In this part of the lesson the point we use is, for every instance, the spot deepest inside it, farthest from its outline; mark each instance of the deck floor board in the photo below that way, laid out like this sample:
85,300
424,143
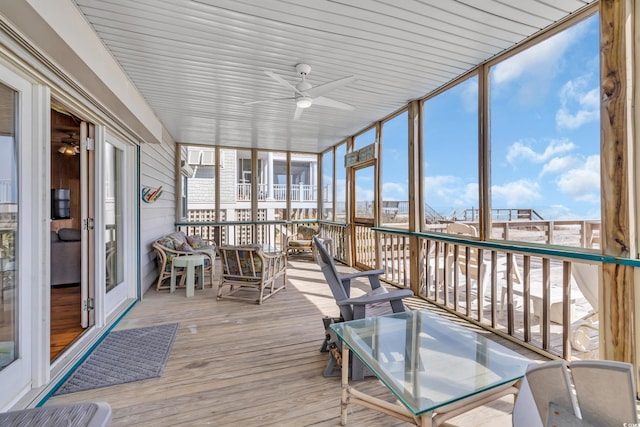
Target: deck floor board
237,363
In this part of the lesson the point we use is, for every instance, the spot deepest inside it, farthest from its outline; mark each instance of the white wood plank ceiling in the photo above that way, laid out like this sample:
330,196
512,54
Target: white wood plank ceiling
199,62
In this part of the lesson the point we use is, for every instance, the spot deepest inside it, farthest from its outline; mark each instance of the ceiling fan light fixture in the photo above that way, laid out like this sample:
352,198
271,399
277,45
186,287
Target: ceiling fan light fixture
68,150
304,102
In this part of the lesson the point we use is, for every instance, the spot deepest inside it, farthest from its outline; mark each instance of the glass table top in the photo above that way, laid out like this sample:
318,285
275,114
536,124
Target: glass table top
427,360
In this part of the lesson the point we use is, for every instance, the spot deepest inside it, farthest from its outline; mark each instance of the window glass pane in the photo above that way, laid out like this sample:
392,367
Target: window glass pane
450,155
341,184
304,186
272,185
364,139
395,163
113,216
545,140
8,228
327,185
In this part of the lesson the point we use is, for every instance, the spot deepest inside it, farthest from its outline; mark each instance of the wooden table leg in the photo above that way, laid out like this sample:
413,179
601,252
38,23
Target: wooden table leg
345,385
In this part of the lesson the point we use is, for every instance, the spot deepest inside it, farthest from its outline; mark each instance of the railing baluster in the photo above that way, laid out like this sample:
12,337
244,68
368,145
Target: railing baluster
566,309
526,292
546,291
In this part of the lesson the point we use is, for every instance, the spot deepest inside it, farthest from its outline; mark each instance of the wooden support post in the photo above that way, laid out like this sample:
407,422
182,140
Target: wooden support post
616,295
415,210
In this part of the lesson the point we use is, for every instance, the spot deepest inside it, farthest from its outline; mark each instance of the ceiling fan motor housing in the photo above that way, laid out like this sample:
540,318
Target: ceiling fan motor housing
303,69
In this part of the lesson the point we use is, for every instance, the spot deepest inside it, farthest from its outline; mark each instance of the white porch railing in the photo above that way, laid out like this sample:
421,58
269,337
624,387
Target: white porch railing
299,193
5,190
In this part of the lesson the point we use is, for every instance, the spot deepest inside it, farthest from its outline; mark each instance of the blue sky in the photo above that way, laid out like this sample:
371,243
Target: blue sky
545,134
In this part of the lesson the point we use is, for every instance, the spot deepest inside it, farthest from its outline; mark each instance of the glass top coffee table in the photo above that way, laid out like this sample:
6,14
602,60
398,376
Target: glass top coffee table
435,367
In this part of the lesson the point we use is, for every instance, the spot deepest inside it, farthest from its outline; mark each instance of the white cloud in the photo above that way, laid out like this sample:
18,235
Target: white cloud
539,59
470,95
558,164
363,195
515,194
447,192
521,150
526,77
394,191
575,96
341,190
583,182
469,196
440,180
555,212
441,187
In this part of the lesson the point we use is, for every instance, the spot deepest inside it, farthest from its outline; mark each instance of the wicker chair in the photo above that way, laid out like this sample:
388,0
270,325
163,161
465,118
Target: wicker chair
301,241
250,274
179,244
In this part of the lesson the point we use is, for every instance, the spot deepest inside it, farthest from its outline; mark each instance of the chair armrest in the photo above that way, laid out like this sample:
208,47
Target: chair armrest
274,263
374,281
271,255
160,248
378,297
361,274
177,252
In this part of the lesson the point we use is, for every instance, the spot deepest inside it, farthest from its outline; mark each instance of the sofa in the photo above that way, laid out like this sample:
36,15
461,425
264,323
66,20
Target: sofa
66,259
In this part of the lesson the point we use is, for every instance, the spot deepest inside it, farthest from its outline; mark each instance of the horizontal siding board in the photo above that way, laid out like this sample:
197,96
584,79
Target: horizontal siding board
156,219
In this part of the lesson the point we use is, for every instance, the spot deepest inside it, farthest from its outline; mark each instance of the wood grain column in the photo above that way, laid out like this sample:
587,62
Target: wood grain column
415,188
616,150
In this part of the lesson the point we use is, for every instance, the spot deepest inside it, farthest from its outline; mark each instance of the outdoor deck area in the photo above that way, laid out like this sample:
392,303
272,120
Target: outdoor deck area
236,363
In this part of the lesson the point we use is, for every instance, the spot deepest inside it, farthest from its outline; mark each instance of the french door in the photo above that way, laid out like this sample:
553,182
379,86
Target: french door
118,221
17,257
87,208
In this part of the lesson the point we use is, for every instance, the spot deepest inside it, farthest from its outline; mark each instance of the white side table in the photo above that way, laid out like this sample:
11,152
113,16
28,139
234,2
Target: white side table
190,262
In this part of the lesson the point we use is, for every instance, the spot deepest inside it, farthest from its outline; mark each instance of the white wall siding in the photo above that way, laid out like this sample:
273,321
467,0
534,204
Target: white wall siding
156,219
202,191
228,177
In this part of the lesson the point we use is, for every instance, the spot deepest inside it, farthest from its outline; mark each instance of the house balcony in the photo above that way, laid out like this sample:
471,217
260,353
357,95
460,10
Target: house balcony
278,193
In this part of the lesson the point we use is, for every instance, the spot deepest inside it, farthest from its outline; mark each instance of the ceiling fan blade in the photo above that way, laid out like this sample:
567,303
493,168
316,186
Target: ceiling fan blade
298,113
327,87
328,102
282,81
268,100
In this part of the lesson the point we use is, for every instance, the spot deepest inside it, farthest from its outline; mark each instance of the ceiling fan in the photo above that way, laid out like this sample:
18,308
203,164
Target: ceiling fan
306,95
70,145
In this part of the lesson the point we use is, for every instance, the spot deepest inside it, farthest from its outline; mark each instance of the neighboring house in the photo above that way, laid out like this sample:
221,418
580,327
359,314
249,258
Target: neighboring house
199,172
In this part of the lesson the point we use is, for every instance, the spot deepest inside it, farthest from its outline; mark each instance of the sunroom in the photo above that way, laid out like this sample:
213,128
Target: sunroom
482,155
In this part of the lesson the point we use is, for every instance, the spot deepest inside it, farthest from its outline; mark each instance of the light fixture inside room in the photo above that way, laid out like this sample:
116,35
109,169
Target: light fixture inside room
69,150
304,102
70,145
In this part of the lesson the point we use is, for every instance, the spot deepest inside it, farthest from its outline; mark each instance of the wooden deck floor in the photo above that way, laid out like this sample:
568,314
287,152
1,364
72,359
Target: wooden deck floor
238,364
